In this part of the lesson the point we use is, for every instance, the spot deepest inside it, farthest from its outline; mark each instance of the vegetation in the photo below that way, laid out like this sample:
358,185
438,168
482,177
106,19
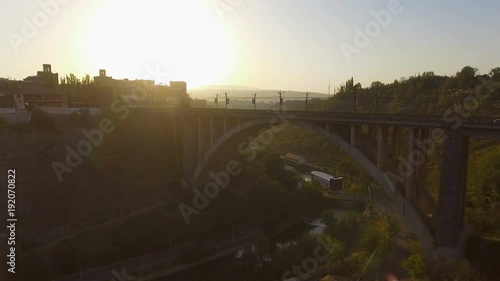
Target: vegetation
415,263
483,211
42,120
425,93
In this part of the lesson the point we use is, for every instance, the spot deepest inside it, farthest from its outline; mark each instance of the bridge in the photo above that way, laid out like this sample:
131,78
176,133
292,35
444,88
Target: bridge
392,148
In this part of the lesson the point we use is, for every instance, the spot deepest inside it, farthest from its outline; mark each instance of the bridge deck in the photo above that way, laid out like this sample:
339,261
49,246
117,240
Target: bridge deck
471,126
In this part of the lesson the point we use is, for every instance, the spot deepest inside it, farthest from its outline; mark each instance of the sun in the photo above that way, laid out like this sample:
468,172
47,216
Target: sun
183,39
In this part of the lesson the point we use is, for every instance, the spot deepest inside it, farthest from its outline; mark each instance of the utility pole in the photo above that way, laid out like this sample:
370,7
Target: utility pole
254,101
307,98
170,247
376,100
227,100
329,86
281,99
80,268
217,100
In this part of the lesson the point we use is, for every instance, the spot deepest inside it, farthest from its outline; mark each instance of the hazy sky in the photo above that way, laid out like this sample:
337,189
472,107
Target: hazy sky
269,44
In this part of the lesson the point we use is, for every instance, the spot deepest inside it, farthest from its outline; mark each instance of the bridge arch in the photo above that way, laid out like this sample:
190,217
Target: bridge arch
399,202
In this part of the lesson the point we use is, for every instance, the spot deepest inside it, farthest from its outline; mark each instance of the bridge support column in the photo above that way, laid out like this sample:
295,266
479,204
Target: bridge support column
225,125
396,142
382,135
189,149
216,129
422,169
410,179
451,202
355,134
204,137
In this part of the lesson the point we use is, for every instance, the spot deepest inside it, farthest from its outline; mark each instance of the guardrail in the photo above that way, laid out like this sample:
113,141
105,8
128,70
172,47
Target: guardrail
436,120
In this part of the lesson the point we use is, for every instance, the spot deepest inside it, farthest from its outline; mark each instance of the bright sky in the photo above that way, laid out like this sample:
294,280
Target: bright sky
268,44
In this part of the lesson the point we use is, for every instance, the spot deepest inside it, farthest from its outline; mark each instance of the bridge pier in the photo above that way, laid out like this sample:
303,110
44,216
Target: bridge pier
204,137
382,138
355,135
451,203
216,129
190,148
396,143
411,185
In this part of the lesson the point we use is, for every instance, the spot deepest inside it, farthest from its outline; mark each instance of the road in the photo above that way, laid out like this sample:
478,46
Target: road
125,270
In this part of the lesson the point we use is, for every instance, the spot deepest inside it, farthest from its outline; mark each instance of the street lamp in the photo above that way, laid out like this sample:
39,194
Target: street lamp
80,268
170,247
281,99
307,98
227,100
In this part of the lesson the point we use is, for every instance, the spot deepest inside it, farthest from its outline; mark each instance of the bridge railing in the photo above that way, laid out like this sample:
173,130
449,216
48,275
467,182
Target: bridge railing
365,117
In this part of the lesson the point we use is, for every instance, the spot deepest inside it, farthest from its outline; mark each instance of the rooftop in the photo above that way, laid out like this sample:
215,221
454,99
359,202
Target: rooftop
325,176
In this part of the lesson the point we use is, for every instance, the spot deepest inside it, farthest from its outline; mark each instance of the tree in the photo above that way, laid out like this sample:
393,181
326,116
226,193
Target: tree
467,77
415,264
495,74
376,85
86,80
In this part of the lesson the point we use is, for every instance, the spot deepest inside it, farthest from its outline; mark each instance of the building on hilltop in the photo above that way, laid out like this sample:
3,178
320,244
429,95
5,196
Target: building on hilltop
45,77
178,88
102,78
48,100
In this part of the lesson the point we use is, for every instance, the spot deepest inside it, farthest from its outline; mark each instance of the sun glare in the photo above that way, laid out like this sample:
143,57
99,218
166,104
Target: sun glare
184,40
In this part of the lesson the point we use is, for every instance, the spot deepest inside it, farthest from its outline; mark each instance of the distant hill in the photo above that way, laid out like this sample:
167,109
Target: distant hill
238,92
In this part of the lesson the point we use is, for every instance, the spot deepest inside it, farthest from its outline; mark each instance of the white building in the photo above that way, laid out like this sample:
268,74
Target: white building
335,184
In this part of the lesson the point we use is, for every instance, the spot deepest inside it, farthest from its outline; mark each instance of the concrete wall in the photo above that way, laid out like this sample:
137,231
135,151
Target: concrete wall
68,110
7,110
16,117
